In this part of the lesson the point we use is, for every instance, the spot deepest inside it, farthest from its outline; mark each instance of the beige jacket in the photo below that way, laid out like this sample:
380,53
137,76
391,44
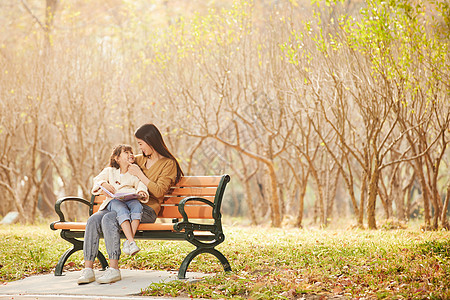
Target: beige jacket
123,183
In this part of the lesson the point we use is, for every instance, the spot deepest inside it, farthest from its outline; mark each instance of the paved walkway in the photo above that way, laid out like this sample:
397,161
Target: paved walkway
49,286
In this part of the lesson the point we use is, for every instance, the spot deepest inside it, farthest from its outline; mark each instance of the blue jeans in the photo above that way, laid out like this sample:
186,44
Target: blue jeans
104,223
126,210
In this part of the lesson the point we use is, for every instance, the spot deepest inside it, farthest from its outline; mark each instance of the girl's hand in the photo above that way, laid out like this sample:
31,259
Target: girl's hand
109,187
143,195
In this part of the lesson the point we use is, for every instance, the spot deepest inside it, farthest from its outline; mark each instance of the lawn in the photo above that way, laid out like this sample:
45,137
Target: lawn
268,263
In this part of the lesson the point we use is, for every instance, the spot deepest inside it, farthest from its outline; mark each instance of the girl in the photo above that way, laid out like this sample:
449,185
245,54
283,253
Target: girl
114,179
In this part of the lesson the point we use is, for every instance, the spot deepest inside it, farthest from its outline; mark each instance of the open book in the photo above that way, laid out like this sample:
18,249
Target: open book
122,196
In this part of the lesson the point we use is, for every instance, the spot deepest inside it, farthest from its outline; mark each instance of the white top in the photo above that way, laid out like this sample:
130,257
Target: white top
123,183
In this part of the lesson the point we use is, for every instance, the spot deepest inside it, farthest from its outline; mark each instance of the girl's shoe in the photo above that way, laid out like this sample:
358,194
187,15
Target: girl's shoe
126,247
134,248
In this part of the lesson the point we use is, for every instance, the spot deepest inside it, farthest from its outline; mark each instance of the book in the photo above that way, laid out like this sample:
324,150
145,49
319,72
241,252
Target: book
122,196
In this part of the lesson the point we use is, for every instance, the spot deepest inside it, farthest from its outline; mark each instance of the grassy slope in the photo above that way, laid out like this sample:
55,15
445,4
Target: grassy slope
268,263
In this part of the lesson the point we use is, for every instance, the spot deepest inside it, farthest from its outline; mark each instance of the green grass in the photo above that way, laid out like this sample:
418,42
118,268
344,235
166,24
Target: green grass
268,263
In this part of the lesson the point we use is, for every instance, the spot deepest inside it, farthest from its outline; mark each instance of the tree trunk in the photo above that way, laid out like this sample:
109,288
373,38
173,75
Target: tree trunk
248,200
399,198
262,201
371,202
275,203
362,199
280,189
408,191
46,204
50,10
435,197
425,191
71,208
384,197
331,197
319,200
17,202
444,220
301,203
351,193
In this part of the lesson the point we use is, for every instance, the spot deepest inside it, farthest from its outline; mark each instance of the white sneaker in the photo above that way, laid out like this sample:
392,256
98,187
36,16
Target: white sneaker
126,247
134,248
111,275
87,276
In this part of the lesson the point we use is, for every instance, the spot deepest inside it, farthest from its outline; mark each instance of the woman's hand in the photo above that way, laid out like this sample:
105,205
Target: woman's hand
109,187
134,169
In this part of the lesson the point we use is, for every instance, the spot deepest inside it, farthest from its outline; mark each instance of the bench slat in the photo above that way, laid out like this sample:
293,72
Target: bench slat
145,226
192,191
171,211
199,181
99,199
167,201
81,226
193,212
176,200
70,225
207,193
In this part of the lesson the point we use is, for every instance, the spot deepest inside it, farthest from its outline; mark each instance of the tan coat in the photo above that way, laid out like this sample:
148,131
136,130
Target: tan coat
162,175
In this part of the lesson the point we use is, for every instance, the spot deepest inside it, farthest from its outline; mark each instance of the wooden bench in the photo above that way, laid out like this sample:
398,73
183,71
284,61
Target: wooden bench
194,198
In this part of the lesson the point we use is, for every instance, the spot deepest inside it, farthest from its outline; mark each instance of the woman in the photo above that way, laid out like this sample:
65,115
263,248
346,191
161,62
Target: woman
158,169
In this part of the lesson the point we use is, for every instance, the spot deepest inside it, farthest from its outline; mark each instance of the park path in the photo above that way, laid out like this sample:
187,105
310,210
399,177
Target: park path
49,286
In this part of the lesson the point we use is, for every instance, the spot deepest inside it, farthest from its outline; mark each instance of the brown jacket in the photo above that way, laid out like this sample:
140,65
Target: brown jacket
162,175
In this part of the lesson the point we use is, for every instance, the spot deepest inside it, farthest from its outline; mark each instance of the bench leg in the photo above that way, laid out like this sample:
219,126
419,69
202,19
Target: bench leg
187,260
77,245
102,260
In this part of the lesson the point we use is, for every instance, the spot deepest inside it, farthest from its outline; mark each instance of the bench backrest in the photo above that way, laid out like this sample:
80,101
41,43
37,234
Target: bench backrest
206,187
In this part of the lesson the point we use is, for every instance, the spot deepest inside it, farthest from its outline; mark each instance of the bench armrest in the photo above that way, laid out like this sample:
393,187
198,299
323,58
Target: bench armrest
190,227
186,200
62,200
185,224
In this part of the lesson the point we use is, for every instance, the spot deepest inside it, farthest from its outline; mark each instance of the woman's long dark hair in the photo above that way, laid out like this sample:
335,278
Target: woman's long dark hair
150,134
